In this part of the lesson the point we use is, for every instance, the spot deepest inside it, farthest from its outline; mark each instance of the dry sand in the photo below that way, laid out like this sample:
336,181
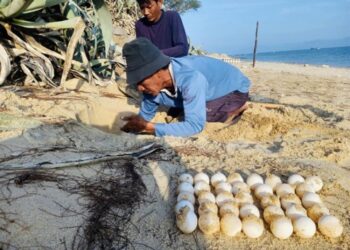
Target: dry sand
298,122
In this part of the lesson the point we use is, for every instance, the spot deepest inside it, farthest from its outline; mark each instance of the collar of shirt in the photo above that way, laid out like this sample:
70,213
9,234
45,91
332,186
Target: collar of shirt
174,83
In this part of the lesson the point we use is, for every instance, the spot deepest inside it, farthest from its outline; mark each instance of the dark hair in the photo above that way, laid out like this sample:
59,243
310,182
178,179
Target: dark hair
142,2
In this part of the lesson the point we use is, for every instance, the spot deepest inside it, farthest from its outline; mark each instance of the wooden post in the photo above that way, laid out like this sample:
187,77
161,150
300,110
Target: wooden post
256,42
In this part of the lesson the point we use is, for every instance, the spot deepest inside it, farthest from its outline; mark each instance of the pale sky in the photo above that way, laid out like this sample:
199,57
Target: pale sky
228,26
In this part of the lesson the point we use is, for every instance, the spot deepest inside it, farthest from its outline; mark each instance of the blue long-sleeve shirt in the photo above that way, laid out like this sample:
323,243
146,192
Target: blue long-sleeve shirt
168,33
198,79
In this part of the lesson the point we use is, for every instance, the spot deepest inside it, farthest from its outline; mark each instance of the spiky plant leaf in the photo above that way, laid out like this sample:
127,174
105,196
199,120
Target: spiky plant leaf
105,21
66,24
13,8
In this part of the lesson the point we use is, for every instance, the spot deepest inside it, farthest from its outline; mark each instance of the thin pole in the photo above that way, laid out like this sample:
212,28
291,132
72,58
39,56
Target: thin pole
256,42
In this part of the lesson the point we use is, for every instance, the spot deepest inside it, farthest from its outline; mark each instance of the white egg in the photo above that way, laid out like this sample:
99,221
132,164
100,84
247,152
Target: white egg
289,199
186,221
262,190
182,204
316,182
201,186
304,227
253,180
295,211
209,223
284,189
231,225
248,209
217,178
281,227
271,212
201,177
272,180
224,197
186,196
317,211
223,187
270,200
309,199
207,207
185,187
295,179
304,187
186,178
240,186
206,196
229,208
234,177
330,226
243,198
252,226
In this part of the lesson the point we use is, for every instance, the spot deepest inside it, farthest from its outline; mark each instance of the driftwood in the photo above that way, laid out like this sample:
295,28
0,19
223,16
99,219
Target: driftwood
139,153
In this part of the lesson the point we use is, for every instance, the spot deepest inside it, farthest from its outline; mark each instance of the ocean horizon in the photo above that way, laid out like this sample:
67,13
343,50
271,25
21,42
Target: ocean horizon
335,57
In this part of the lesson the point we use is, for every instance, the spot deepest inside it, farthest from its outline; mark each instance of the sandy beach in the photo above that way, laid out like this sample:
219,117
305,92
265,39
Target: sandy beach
298,121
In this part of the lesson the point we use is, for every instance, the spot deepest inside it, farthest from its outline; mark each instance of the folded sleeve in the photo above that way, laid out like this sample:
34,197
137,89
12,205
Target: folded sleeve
148,108
194,100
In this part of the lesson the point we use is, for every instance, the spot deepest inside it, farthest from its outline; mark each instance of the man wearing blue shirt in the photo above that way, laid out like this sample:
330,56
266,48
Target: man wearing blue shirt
207,89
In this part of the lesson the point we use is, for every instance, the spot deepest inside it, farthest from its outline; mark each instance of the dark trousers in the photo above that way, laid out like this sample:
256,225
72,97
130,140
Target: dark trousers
218,110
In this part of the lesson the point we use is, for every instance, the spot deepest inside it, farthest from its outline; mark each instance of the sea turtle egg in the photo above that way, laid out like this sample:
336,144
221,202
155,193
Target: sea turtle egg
295,179
234,177
186,196
252,226
262,190
304,187
209,223
217,178
316,182
185,187
230,225
317,211
284,189
201,177
272,211
253,180
201,186
206,196
281,227
240,186
248,209
304,227
330,226
310,199
224,197
272,180
186,178
181,204
223,187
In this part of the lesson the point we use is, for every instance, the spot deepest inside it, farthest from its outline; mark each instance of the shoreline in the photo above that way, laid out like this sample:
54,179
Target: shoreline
290,63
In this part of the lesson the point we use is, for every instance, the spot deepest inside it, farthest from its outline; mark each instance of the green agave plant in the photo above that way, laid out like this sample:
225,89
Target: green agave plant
52,36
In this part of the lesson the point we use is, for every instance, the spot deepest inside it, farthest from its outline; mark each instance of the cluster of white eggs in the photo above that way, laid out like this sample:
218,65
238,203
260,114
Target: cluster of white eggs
227,204
296,207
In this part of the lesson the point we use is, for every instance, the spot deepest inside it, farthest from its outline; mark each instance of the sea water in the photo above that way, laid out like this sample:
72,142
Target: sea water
336,57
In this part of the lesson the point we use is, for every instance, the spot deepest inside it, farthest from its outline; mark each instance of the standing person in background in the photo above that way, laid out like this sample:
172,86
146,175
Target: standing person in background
163,28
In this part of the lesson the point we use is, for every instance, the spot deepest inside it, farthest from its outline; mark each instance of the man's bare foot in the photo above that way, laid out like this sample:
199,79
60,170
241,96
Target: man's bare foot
236,113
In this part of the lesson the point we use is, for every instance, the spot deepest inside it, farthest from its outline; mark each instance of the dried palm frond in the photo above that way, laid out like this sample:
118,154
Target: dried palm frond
5,64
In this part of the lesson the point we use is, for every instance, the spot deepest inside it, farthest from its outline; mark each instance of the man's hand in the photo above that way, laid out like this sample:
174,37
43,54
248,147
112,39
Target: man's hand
136,124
